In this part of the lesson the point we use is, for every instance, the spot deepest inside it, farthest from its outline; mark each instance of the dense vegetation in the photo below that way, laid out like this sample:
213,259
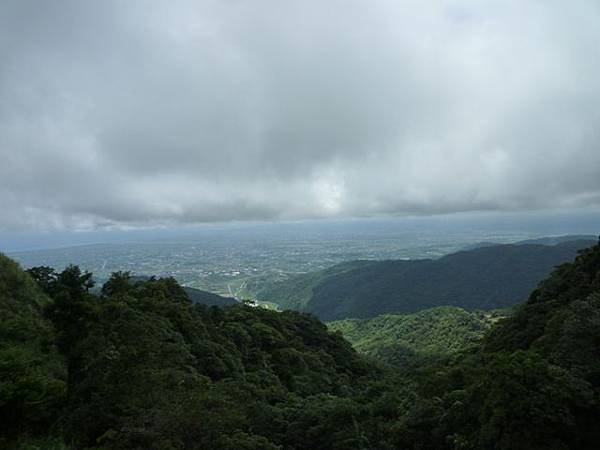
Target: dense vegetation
482,278
418,338
195,295
535,382
140,367
32,372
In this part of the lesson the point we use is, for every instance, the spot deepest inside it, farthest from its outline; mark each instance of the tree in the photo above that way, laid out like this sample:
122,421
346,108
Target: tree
118,283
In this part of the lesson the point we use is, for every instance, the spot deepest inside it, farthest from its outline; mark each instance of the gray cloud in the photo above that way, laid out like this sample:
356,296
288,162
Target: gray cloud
143,113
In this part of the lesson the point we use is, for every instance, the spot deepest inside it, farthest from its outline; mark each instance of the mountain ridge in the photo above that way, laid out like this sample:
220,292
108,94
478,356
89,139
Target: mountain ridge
482,278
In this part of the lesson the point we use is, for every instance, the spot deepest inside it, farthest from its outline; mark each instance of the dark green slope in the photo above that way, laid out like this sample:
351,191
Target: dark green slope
32,372
483,278
208,298
296,292
139,366
534,383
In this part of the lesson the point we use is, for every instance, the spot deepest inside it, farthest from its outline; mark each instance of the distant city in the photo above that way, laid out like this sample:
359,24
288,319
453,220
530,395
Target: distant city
236,261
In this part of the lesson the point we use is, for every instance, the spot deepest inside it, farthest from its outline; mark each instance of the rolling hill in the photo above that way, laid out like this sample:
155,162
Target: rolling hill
410,339
482,278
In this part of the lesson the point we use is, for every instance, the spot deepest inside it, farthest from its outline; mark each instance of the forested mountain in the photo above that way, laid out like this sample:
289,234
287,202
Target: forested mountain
296,292
418,338
33,373
547,240
195,295
483,278
139,366
535,382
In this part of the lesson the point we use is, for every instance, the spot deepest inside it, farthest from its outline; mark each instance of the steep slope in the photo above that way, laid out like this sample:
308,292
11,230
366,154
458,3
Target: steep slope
32,373
572,289
483,278
412,339
534,383
149,369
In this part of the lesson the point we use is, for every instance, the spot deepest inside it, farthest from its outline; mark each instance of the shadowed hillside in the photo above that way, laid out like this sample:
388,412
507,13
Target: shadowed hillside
483,278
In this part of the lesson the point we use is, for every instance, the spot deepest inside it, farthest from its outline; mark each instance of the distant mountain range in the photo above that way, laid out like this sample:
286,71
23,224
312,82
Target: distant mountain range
488,277
547,240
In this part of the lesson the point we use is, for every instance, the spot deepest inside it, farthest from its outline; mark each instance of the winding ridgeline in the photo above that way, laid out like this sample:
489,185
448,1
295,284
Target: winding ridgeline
139,366
487,277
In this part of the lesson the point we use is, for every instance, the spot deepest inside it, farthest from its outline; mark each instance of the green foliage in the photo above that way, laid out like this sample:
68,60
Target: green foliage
119,283
415,339
32,373
534,383
485,278
145,368
148,368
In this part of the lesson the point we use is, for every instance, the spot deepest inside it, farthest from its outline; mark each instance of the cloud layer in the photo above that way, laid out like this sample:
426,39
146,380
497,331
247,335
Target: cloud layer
143,113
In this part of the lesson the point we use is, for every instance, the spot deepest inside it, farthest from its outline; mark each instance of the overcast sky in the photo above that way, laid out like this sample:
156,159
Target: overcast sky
137,113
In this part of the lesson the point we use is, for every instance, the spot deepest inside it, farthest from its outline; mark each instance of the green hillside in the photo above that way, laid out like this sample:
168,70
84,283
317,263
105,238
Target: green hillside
534,383
416,338
483,278
296,292
138,365
33,374
195,295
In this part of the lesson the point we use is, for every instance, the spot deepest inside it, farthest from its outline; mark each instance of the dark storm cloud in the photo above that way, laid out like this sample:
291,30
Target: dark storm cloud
142,113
